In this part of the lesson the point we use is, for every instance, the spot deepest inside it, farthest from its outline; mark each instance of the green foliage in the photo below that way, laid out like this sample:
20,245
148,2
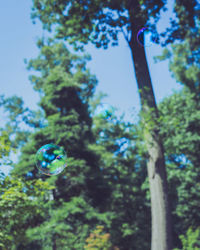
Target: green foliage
5,144
180,123
191,241
185,63
20,121
180,118
5,148
64,225
20,203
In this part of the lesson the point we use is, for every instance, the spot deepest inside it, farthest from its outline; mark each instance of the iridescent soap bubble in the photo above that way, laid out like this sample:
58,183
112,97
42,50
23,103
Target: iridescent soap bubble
51,159
146,37
105,111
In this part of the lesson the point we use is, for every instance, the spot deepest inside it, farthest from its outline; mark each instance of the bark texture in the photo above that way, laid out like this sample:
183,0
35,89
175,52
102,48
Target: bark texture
160,210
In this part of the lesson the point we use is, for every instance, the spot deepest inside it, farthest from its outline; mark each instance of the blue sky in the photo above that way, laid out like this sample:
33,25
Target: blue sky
113,67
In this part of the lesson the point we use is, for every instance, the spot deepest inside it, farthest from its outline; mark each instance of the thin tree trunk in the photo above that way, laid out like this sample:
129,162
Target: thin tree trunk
160,211
54,247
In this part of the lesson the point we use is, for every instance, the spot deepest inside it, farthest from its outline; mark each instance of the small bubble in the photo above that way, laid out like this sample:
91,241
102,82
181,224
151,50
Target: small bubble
51,159
105,111
146,37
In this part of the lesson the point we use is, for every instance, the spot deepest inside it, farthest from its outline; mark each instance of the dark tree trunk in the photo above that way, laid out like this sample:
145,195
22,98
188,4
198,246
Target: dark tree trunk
160,211
54,247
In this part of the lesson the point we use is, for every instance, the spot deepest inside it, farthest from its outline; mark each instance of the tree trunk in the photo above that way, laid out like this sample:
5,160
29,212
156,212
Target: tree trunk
54,247
160,211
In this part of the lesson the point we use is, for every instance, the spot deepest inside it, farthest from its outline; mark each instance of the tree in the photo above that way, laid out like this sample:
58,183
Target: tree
180,123
99,22
78,201
18,195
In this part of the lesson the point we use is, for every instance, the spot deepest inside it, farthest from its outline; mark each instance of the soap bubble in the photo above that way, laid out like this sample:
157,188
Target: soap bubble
51,159
146,37
105,111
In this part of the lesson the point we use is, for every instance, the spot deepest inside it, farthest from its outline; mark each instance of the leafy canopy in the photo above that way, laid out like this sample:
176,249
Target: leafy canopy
98,21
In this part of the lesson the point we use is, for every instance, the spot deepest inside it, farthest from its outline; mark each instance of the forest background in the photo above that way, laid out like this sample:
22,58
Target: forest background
102,199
